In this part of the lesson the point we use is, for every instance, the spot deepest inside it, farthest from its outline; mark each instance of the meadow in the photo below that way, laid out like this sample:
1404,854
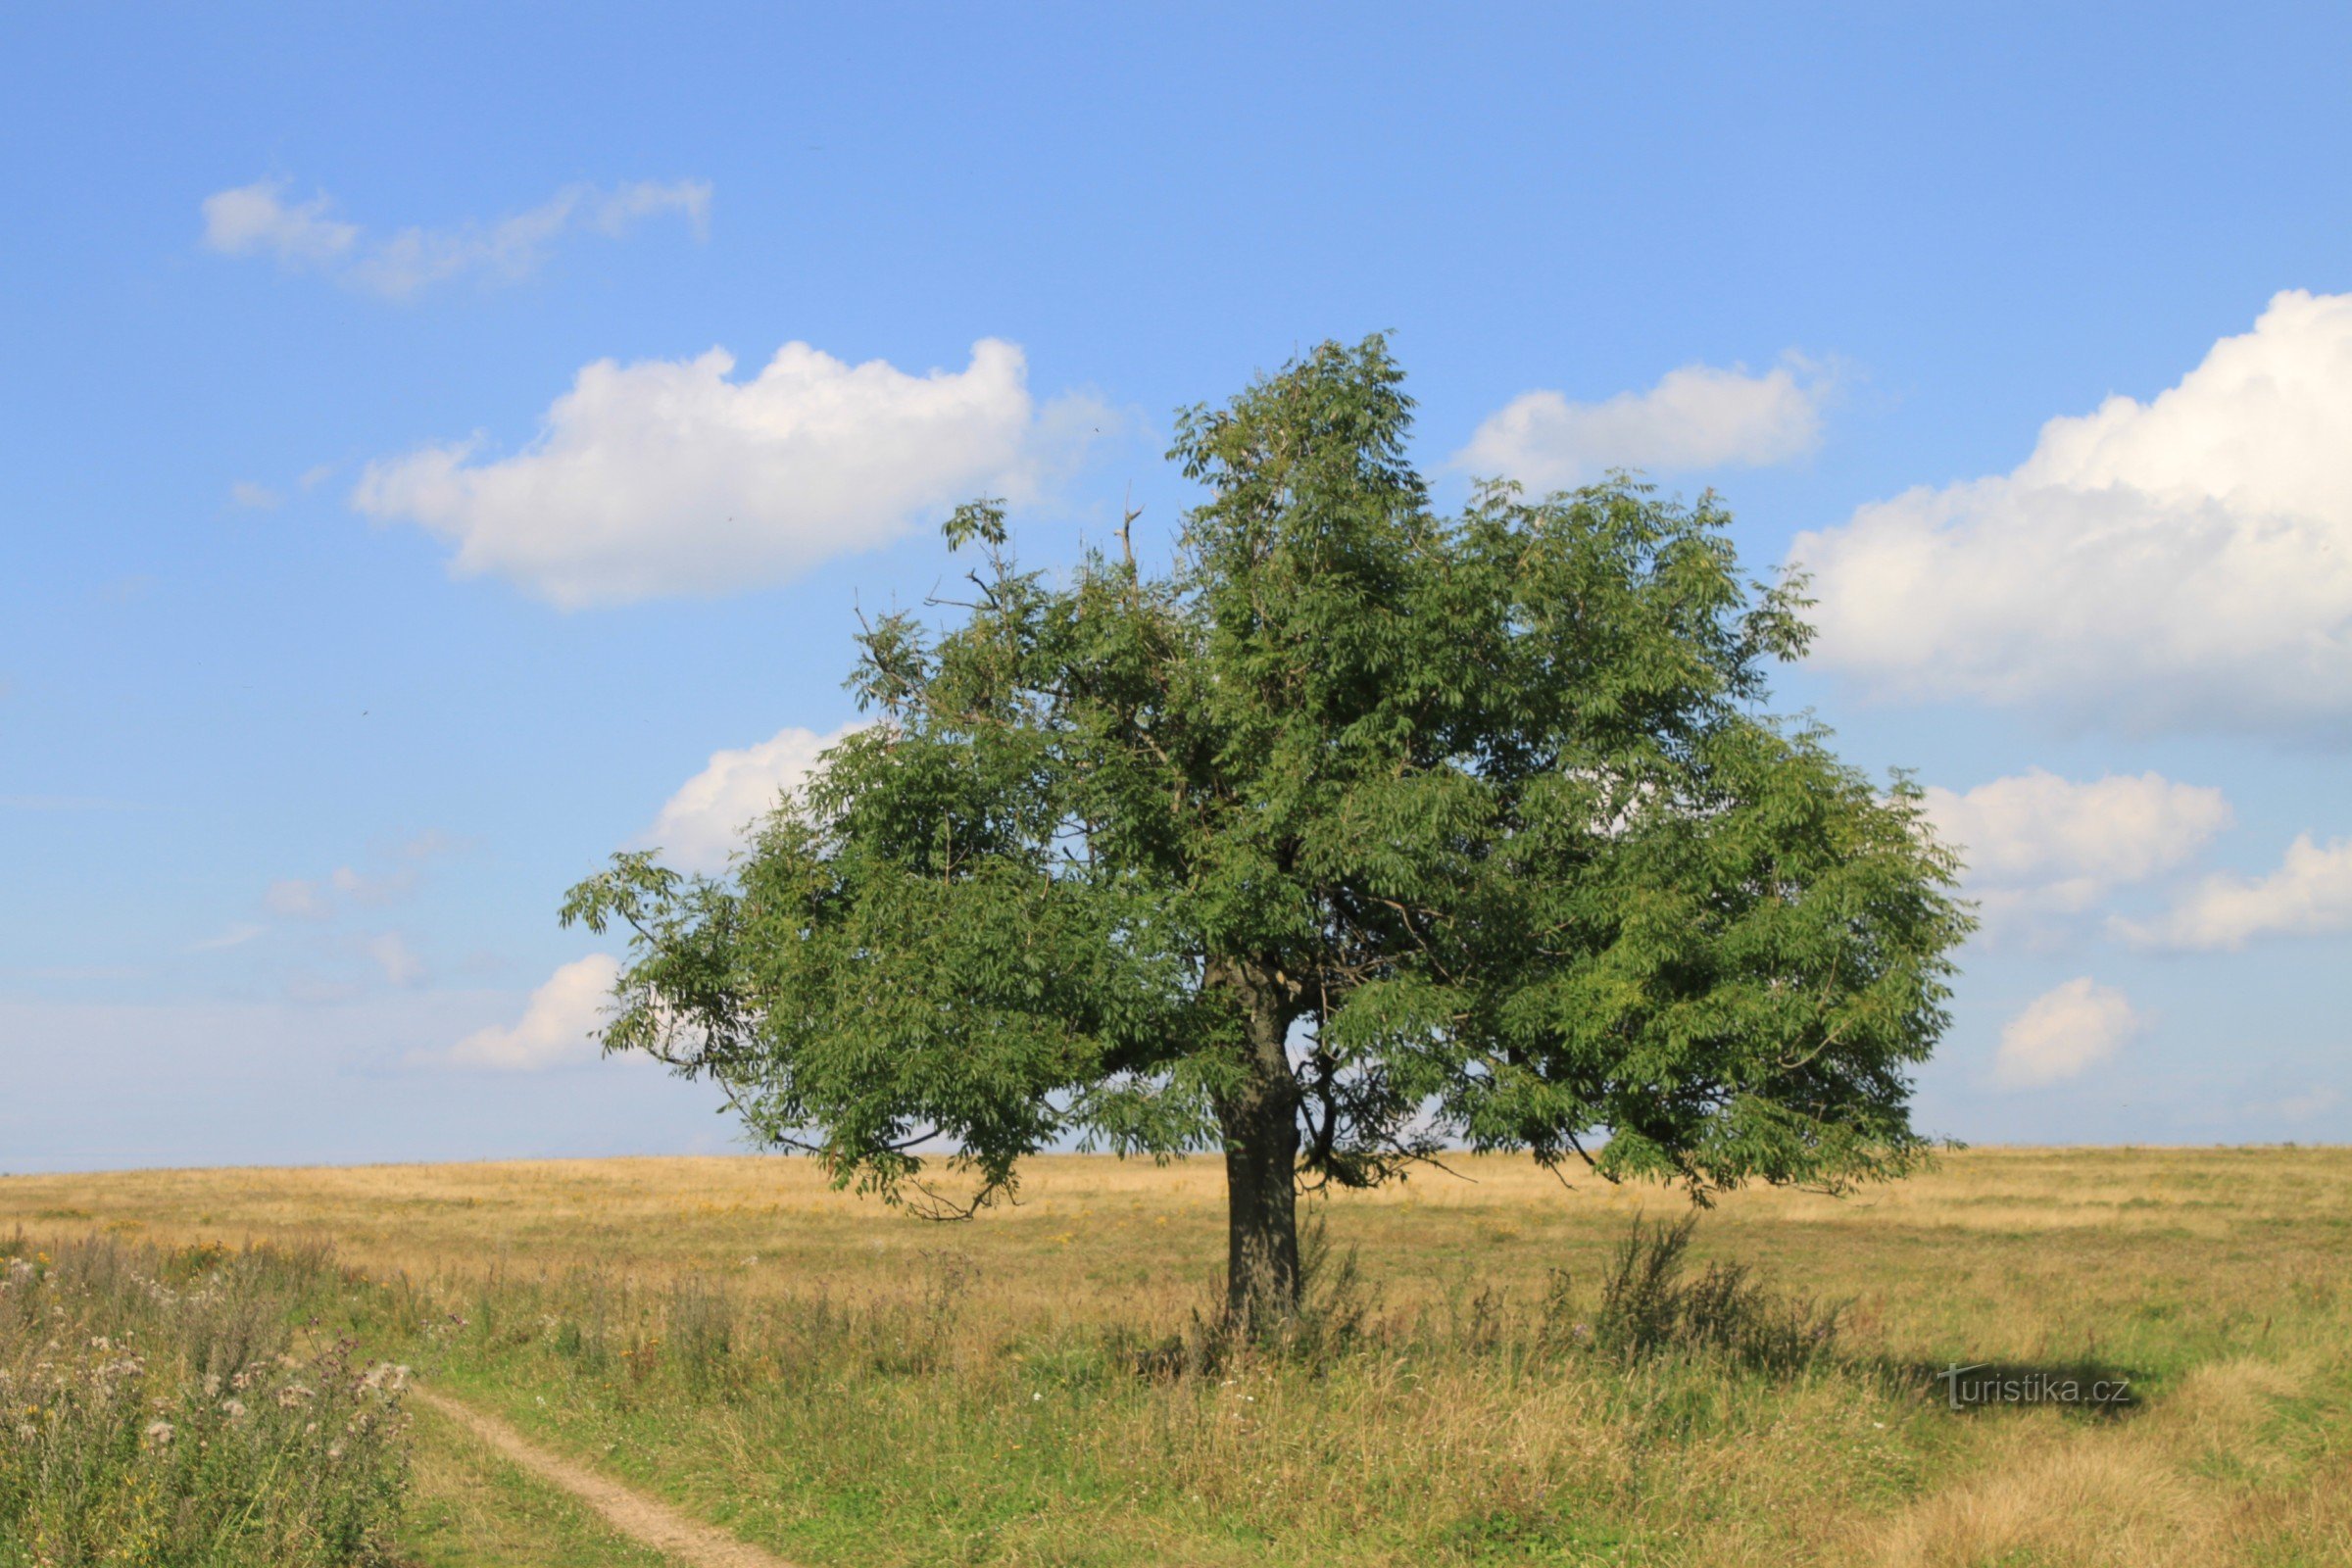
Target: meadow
845,1385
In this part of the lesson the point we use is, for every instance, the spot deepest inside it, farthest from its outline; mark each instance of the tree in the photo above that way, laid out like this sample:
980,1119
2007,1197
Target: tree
1359,831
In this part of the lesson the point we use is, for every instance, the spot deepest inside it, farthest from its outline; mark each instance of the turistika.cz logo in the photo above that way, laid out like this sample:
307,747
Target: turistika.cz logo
1984,1383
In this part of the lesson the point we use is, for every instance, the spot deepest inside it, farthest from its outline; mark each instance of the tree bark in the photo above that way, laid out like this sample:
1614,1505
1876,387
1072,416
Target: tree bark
1259,1119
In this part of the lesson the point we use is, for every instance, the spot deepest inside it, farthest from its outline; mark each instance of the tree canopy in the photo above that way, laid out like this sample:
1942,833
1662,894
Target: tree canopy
1360,833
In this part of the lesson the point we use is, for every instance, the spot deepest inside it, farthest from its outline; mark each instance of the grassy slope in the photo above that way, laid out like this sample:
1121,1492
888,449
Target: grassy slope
895,1392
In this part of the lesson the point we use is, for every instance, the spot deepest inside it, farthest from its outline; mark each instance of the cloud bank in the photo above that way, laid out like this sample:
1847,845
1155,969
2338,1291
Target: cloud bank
257,220
2309,895
668,476
1699,416
2181,563
2037,844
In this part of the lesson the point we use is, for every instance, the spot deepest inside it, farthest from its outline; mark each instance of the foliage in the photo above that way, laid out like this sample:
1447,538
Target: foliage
151,1411
1359,830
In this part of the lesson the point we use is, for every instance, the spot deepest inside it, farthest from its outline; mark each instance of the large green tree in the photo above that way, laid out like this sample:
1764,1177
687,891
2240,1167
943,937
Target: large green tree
1361,832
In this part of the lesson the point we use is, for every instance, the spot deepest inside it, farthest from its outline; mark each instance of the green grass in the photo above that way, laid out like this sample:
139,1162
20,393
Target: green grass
848,1387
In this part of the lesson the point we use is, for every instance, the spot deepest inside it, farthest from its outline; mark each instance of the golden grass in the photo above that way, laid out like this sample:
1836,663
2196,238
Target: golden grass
2217,1277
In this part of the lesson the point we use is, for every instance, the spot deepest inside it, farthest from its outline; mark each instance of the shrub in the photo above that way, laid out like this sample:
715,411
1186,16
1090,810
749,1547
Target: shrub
1649,1307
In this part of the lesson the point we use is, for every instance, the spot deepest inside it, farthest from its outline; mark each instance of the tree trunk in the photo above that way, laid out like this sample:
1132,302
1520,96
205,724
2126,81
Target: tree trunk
1261,1123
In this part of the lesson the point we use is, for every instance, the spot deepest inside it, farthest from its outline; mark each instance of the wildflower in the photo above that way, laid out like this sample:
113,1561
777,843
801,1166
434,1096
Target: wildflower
235,1409
212,1385
385,1378
292,1395
159,1434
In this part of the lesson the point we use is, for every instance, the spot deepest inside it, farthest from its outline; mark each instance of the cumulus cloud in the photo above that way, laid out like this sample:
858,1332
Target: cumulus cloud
668,476
2309,895
703,824
2185,561
556,1025
2036,843
257,220
2063,1034
1699,416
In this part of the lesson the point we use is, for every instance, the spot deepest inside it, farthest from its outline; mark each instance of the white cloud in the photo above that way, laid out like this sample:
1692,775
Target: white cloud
253,497
2038,843
513,248
2308,1106
2063,1034
363,889
431,845
703,823
202,1081
236,936
669,477
556,1025
2183,562
1699,416
2309,895
296,899
257,220
318,898
398,961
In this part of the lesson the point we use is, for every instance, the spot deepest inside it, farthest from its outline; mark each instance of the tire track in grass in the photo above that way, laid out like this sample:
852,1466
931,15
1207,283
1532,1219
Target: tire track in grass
641,1518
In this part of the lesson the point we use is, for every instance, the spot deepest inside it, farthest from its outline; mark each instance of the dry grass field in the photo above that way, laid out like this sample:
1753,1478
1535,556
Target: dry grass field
848,1385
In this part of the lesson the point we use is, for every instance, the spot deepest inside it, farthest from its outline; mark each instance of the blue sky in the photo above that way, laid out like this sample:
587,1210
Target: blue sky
348,613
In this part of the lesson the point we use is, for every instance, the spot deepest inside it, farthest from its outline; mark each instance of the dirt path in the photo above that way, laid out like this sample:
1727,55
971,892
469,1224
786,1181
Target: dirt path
655,1524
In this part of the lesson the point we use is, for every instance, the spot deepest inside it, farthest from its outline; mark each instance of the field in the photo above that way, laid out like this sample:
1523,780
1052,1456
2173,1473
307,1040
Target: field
844,1385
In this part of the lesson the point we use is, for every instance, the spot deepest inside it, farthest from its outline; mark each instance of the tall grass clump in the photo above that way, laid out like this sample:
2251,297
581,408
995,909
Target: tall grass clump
1651,1306
157,1407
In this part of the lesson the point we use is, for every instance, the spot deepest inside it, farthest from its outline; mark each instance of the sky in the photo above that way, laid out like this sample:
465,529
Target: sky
446,445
